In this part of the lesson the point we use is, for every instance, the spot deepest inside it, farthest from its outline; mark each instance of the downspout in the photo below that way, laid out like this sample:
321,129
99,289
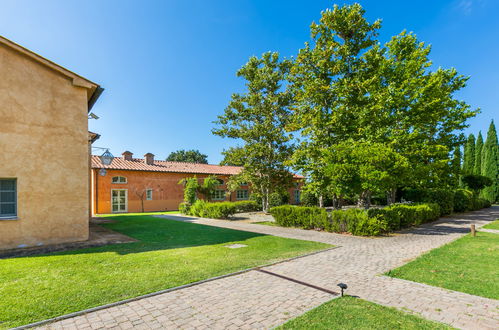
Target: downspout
96,192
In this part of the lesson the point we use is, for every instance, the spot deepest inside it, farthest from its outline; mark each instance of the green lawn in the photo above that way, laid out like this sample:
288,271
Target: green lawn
353,313
492,225
469,264
169,254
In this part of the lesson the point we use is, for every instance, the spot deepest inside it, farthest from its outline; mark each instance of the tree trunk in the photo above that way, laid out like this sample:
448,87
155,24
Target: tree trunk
364,199
321,201
391,195
337,202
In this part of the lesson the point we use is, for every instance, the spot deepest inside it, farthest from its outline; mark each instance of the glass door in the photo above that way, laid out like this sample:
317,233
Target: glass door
119,200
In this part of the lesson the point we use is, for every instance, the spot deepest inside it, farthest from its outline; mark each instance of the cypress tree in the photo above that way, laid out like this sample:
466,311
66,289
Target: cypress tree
477,168
456,167
469,155
490,164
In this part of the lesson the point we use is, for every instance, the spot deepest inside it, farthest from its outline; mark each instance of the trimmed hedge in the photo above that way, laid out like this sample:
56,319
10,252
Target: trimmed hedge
221,210
372,222
463,200
246,206
203,209
443,197
307,217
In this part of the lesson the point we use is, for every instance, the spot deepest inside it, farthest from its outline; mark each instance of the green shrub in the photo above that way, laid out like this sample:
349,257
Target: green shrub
357,222
196,208
479,203
221,210
184,208
278,198
443,197
462,200
204,209
400,216
247,206
308,199
390,214
307,217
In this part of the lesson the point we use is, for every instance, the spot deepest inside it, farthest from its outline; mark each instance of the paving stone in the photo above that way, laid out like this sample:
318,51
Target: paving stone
255,300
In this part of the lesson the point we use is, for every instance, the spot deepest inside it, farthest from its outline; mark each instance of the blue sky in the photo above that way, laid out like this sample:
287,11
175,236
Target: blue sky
169,66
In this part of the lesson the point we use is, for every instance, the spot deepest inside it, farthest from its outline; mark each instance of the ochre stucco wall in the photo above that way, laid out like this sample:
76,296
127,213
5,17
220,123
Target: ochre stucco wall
44,144
167,193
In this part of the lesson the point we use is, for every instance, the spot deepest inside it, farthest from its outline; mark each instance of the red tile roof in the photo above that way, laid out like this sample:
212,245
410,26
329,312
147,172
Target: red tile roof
137,164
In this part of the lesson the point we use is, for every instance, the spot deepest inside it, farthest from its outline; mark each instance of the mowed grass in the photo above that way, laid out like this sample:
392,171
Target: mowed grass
353,313
493,225
469,264
169,253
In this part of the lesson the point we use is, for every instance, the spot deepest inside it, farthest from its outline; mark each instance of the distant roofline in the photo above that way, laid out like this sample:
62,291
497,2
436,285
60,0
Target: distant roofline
141,160
94,89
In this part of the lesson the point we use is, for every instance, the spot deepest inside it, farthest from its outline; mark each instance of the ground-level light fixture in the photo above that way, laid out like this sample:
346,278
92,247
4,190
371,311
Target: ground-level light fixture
342,286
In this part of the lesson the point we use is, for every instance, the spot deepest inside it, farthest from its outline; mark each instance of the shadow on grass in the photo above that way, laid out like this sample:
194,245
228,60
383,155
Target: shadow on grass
155,234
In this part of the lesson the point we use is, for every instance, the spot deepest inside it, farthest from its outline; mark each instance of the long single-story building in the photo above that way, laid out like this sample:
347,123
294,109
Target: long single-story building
134,185
44,143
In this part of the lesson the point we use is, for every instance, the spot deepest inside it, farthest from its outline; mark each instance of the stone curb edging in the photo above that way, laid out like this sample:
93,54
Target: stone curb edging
152,294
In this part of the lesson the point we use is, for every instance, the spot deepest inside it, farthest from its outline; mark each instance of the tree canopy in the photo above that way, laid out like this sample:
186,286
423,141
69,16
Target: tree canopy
367,118
189,156
258,118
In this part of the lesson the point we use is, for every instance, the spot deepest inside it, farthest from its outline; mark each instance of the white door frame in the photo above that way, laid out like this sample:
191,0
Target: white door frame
126,201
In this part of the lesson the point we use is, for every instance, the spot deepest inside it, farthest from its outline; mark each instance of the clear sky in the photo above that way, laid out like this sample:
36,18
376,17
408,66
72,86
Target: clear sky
168,66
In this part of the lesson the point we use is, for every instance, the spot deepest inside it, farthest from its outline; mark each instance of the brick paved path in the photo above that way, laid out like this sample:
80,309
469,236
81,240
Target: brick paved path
259,300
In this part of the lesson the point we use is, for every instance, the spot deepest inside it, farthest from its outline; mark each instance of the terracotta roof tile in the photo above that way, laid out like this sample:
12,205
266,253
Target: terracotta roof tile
137,164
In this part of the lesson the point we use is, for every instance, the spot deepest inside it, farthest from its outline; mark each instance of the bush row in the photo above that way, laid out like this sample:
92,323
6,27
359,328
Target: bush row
372,222
459,200
220,210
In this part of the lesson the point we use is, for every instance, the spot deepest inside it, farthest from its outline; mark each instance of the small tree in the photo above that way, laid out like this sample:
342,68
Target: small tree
189,156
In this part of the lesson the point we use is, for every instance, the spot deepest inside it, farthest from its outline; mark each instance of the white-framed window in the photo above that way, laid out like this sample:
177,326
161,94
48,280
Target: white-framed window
118,179
297,197
149,194
218,195
8,198
242,194
119,200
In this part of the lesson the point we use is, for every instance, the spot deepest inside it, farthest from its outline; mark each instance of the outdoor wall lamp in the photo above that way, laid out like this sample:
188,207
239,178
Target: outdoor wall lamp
342,286
107,157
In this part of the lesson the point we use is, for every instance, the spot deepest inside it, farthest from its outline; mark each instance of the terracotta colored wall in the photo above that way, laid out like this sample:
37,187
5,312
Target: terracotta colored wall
167,193
43,143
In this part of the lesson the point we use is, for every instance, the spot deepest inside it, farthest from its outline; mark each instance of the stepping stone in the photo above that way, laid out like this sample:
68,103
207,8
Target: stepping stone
235,246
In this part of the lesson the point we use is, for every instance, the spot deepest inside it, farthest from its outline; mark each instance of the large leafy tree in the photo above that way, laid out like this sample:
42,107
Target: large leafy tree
477,169
329,96
258,118
347,86
490,164
469,155
189,156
